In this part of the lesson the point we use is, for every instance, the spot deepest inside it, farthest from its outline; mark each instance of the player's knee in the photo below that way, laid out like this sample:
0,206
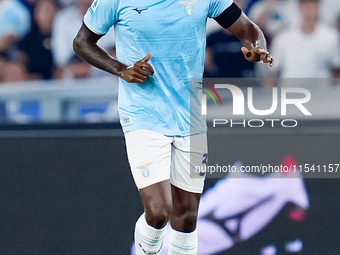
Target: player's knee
158,214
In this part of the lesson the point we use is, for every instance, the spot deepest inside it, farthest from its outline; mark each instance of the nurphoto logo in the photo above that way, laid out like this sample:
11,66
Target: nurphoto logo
239,99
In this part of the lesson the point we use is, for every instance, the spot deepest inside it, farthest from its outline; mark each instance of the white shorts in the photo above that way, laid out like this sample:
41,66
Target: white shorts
154,157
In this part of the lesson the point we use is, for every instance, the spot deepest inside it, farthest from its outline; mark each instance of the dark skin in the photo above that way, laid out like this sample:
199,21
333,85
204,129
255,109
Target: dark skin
163,201
253,41
85,45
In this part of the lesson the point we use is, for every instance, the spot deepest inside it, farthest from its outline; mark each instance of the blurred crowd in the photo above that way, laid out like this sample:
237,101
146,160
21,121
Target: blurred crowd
36,40
303,37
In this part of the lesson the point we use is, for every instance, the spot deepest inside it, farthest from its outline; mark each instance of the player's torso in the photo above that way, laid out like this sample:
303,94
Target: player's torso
174,33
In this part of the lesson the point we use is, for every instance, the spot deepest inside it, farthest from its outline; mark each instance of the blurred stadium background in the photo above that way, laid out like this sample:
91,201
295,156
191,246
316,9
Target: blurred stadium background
65,184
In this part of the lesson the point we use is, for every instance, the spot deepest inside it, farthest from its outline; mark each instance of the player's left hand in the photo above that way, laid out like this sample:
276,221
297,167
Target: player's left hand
257,54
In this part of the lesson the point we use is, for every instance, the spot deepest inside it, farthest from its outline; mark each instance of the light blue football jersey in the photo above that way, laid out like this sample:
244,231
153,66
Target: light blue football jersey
174,32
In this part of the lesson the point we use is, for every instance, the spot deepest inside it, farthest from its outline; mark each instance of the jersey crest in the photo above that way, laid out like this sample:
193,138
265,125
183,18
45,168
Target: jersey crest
189,9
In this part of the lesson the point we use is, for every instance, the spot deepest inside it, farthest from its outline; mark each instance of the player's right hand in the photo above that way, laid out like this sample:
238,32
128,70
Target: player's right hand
256,54
138,72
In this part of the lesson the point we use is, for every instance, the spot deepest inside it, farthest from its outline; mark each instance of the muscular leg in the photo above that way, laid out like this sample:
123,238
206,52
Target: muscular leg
150,227
157,203
187,152
149,156
183,234
184,213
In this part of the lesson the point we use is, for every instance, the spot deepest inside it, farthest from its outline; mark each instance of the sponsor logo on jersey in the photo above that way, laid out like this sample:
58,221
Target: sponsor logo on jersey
189,9
145,169
139,10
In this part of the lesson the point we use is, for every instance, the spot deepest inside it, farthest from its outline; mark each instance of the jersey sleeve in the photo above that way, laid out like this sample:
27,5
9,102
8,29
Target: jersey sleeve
101,16
216,7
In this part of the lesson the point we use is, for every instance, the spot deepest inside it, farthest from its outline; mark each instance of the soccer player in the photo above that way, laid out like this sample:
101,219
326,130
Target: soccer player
160,47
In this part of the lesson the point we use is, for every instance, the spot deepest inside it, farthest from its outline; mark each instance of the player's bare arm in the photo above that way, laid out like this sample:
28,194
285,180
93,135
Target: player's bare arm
253,40
254,43
85,45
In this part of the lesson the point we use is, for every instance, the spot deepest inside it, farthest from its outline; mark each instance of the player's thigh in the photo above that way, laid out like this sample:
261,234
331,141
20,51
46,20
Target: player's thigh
149,155
189,155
